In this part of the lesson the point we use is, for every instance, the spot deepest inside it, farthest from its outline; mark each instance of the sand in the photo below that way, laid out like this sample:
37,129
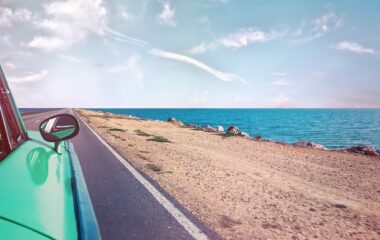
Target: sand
246,189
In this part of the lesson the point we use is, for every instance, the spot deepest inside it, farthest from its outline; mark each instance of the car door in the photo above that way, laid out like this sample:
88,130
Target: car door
35,181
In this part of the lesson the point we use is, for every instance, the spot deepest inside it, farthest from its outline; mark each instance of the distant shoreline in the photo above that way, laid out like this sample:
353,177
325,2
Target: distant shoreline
333,137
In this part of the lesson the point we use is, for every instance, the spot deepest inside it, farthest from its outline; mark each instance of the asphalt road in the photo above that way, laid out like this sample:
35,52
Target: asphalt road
124,208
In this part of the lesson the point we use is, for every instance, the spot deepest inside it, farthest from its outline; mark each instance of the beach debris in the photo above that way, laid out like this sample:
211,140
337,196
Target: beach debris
208,128
175,121
308,144
131,117
258,138
341,206
318,146
363,149
312,209
233,130
220,129
303,144
244,134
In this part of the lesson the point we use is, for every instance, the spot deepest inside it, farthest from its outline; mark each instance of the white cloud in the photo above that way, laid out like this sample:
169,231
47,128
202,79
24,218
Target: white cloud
9,16
48,43
69,22
226,77
354,47
245,37
317,28
327,23
167,15
241,38
281,82
30,78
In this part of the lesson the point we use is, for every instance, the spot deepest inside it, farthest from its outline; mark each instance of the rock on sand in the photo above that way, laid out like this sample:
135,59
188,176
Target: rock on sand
233,130
307,144
365,150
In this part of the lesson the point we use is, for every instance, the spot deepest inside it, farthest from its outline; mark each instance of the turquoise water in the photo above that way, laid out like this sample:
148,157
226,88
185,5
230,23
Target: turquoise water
333,128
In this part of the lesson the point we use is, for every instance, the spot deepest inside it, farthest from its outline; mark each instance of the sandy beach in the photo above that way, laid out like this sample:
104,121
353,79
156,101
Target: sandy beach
247,189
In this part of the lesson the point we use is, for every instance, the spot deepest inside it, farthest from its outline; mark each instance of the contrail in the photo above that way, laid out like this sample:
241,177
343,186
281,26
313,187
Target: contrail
123,38
226,77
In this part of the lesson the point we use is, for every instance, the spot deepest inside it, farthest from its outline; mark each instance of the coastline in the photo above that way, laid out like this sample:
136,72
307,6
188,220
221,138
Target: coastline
246,188
335,129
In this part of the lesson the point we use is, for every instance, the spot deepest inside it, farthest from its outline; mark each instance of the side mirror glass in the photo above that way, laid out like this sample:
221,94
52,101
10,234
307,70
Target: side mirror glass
59,128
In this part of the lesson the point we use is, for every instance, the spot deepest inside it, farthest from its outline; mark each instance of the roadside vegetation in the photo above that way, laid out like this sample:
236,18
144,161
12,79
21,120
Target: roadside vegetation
116,130
142,133
153,167
154,138
159,139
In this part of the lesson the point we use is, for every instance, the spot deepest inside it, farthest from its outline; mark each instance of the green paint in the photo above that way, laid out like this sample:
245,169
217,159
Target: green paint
64,133
35,191
10,230
43,125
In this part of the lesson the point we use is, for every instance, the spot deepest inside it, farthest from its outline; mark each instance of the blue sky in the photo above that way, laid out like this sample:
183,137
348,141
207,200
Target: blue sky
209,53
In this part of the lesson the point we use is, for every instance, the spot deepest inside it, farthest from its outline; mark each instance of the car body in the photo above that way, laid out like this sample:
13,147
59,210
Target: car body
43,194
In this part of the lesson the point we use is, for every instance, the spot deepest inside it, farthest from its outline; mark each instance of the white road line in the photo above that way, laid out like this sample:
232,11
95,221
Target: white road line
189,226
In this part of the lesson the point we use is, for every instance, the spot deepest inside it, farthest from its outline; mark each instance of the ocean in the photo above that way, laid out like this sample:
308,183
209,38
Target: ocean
333,128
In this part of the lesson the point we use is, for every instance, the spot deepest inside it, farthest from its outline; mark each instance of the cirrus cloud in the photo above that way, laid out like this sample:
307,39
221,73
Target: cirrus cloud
354,48
241,38
317,28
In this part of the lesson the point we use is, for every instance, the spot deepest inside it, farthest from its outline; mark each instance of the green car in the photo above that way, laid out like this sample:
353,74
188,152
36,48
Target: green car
43,194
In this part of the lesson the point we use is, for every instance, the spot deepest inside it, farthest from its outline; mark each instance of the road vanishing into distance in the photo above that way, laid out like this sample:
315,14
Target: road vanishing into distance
124,207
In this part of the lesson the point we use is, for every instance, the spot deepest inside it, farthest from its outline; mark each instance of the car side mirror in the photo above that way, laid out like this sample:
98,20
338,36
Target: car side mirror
59,128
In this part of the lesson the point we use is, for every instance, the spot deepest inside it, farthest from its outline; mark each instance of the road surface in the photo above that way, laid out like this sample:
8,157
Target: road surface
124,208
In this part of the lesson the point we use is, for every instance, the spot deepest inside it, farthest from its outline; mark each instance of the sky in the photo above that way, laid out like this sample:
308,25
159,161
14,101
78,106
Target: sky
192,54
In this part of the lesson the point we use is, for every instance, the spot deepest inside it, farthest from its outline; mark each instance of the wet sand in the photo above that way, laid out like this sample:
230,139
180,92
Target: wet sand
247,189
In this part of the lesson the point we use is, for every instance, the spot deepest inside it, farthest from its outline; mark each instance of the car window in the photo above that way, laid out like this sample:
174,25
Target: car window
16,131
